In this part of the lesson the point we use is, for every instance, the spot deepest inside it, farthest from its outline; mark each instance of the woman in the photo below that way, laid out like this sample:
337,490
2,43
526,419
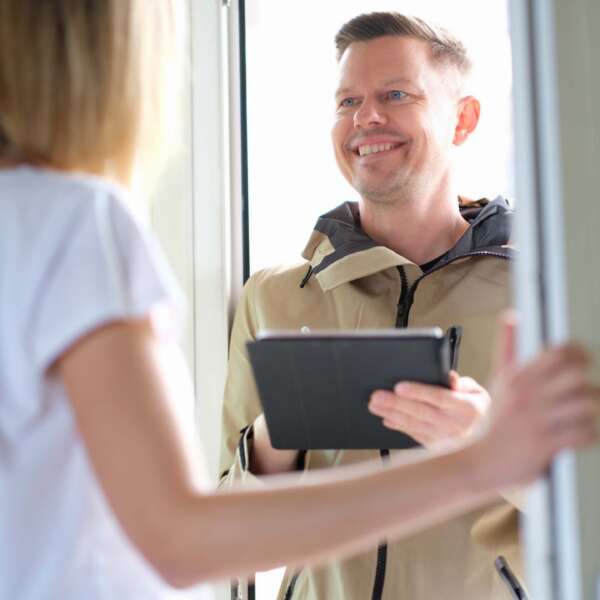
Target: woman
90,378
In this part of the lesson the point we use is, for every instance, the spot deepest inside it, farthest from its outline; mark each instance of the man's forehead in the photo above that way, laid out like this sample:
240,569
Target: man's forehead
392,60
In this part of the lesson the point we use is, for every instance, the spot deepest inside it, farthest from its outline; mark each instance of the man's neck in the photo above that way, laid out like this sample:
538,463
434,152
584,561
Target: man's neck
420,229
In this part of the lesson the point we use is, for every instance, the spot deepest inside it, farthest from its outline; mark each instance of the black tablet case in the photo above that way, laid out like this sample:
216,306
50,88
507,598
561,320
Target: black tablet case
315,391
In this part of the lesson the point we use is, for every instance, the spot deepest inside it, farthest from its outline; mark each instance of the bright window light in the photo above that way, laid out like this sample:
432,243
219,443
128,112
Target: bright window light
292,74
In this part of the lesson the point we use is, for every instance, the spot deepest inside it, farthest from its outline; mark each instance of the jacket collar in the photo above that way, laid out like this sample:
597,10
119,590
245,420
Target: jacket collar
339,251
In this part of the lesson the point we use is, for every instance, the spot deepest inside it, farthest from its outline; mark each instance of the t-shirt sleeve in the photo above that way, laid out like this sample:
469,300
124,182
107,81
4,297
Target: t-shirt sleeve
103,267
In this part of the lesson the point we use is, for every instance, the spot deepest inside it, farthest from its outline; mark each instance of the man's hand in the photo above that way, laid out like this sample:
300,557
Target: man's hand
430,413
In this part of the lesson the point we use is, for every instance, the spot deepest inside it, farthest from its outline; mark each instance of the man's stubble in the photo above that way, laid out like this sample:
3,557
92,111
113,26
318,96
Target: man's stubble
401,191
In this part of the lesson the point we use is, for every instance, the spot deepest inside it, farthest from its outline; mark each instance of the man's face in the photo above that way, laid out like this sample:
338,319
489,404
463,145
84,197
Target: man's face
396,118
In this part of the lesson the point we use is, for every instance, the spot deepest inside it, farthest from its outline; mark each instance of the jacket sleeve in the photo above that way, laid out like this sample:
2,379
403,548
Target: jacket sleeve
241,405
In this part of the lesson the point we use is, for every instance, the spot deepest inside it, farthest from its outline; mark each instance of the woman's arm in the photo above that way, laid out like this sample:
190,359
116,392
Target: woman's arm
124,385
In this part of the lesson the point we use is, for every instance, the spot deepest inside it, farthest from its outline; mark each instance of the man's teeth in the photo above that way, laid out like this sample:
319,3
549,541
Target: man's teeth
371,149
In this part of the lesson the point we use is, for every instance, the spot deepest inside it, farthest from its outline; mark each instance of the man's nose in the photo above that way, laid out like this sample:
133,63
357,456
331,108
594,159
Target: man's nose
369,114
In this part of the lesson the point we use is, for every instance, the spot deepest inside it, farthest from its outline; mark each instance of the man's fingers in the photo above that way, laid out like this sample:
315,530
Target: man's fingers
446,423
468,384
440,400
418,430
434,395
431,412
387,404
470,394
453,380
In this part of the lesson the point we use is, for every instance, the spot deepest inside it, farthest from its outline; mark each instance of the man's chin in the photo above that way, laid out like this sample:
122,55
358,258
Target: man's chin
382,195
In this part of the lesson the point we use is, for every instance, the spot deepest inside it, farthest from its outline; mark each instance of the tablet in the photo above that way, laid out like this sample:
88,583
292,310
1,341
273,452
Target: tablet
315,387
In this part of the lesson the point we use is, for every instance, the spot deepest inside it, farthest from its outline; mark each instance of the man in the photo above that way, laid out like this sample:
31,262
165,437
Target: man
409,253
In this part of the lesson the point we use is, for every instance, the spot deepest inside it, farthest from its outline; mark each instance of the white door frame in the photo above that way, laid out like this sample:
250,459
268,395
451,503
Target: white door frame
558,177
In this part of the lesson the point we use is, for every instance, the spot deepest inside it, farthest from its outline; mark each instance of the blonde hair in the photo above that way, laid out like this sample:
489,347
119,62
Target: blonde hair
84,84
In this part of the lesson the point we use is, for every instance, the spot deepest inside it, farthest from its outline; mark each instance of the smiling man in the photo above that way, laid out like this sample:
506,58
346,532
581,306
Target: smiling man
411,252
399,118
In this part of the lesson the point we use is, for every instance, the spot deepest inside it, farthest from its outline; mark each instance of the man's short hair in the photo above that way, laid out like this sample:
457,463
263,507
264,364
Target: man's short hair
445,47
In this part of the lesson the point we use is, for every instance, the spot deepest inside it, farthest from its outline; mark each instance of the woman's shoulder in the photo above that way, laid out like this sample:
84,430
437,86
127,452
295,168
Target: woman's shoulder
52,190
47,207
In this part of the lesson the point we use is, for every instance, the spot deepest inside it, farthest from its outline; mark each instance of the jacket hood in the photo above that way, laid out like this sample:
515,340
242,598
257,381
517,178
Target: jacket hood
340,251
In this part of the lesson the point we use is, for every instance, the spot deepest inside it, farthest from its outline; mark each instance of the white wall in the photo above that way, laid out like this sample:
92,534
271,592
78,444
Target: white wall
190,213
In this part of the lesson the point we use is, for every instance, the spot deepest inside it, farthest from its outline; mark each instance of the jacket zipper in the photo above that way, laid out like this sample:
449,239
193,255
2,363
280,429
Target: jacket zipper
381,563
402,299
454,335
379,579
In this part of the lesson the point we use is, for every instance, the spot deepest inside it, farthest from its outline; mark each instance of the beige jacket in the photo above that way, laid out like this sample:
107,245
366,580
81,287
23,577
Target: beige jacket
350,282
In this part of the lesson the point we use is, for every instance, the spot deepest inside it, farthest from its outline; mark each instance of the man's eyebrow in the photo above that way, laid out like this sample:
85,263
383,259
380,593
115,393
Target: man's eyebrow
342,91
346,90
399,80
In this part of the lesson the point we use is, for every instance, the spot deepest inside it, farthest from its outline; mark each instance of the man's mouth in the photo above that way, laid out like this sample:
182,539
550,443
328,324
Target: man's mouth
366,149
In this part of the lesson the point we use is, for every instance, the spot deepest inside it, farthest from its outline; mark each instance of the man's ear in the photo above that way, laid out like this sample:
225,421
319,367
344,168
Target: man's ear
468,117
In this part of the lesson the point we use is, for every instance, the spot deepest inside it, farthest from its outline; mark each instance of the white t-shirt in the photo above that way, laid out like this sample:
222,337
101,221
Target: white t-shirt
71,258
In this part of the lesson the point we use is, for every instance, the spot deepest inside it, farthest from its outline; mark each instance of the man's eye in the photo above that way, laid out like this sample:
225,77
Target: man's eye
347,102
396,95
